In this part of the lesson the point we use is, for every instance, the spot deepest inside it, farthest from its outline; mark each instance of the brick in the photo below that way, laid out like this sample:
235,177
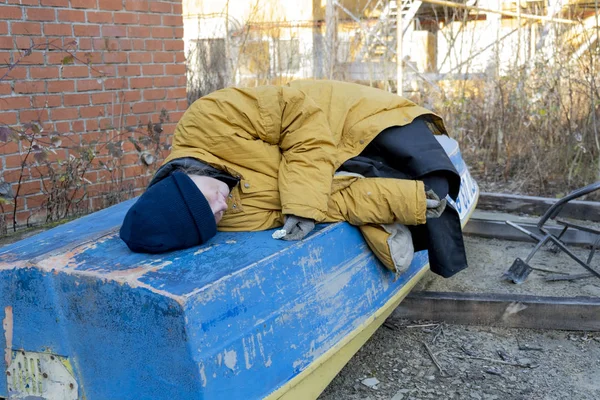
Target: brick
86,30
129,70
119,57
153,69
182,104
125,44
71,15
76,99
181,81
177,93
133,171
55,3
138,44
33,115
90,57
8,118
35,201
169,105
61,86
172,20
43,72
6,43
40,14
133,95
149,19
177,8
14,174
11,12
35,43
154,94
92,112
91,124
3,28
84,85
5,87
160,7
140,57
75,71
111,5
19,72
114,31
26,28
138,31
58,30
39,171
47,101
35,58
140,83
30,87
175,44
164,81
136,5
104,71
84,43
143,107
175,69
15,103
89,4
115,83
155,45
31,187
163,57
102,98
5,58
106,123
105,44
77,126
62,126
162,33
126,18
99,17
65,113
24,2
178,33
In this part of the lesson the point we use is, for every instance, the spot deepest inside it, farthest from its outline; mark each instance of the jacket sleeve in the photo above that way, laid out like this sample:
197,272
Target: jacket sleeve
307,162
379,201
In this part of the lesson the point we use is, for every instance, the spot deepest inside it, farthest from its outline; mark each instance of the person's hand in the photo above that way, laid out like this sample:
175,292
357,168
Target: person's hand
295,228
435,206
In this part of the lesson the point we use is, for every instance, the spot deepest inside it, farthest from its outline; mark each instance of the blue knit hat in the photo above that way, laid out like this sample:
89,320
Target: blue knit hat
172,214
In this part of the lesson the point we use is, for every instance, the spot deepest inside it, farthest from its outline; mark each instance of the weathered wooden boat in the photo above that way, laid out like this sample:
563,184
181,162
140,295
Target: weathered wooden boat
242,317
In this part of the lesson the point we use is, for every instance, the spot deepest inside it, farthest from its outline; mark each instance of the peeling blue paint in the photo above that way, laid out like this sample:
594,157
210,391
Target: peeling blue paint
235,318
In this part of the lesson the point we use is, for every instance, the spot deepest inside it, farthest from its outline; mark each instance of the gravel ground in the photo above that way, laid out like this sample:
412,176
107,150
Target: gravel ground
480,362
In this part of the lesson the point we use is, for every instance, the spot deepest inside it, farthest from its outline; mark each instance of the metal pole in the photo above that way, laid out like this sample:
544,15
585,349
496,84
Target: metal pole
399,39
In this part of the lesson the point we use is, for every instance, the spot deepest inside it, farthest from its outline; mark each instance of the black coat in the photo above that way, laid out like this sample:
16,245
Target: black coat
412,152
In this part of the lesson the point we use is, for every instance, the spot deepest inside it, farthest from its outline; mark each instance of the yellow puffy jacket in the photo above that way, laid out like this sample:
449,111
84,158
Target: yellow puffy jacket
285,144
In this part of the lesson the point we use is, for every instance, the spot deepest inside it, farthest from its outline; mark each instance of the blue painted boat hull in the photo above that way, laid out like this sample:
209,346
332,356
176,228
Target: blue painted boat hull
237,318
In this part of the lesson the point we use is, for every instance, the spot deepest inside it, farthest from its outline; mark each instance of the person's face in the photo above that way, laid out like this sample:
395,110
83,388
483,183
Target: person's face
216,193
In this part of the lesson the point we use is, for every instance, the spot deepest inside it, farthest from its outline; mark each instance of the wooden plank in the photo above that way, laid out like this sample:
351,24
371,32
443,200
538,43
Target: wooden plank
577,209
505,310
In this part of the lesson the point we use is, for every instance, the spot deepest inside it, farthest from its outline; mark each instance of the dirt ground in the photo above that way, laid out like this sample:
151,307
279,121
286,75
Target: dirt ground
480,362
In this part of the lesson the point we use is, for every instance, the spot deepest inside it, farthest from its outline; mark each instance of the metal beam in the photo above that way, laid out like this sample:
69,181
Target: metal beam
508,13
505,310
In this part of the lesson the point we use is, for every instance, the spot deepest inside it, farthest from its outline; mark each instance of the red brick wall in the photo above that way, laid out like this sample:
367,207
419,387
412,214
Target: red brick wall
128,68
